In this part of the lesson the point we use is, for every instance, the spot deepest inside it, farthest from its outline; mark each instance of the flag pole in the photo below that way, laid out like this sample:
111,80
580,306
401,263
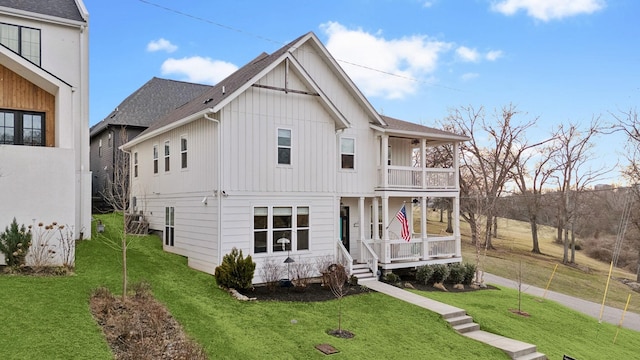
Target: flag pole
394,216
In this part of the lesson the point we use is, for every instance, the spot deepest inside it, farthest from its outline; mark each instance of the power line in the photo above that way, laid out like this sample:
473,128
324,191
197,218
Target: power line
280,43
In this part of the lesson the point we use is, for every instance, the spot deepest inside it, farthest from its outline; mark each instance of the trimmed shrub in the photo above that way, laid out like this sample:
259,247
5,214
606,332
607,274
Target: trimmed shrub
235,271
14,244
424,273
440,273
469,273
391,278
456,273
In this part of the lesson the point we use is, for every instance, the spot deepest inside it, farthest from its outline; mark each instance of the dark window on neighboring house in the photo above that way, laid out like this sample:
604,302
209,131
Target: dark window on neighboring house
99,147
22,128
135,164
22,40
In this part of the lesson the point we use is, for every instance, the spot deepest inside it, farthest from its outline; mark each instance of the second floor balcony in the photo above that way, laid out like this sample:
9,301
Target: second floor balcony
415,178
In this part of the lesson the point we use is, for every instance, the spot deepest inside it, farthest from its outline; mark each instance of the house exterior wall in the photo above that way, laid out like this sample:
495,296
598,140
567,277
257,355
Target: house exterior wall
54,182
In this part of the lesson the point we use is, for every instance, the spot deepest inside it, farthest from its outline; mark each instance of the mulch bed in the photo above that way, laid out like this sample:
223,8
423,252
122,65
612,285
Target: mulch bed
312,292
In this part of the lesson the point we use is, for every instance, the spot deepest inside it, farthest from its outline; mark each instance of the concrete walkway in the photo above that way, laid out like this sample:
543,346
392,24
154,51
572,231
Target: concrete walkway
610,314
460,321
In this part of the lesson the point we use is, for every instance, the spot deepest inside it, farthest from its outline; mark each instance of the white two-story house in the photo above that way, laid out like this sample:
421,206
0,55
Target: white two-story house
286,157
44,114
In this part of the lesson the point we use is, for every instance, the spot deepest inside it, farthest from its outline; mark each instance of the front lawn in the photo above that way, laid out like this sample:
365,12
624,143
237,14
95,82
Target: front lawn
49,318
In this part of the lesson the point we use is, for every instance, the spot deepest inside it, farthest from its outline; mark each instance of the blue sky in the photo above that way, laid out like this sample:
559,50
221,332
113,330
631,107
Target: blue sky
557,60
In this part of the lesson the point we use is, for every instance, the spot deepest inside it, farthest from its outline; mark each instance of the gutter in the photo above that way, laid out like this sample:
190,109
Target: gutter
219,181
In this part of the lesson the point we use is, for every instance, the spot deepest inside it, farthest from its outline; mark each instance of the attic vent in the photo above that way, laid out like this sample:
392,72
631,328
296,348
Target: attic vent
207,101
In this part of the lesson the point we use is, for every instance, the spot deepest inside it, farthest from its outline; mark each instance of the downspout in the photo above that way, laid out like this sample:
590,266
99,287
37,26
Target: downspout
219,194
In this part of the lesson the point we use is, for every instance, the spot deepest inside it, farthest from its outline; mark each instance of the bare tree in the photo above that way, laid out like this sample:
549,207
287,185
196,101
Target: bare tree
117,195
574,175
489,157
531,183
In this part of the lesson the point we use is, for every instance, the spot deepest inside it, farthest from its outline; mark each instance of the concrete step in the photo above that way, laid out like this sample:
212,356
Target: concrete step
533,356
460,320
454,313
468,327
514,348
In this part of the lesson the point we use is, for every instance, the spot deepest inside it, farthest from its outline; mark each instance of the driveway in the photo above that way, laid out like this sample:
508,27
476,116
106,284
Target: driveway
610,315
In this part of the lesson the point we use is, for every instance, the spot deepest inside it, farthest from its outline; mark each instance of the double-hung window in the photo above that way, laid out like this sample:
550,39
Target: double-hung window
135,164
166,156
22,128
22,40
284,146
169,225
183,153
155,159
280,228
347,153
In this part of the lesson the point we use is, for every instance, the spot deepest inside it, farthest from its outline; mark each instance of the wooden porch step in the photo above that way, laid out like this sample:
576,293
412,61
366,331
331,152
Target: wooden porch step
362,272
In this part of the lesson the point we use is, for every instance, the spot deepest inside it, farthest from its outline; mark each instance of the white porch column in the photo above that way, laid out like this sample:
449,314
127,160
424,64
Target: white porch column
384,155
375,215
386,246
423,227
456,200
361,221
456,165
423,162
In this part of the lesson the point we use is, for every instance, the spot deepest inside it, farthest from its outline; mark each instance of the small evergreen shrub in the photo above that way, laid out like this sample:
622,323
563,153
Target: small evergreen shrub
391,278
14,244
235,271
456,273
440,273
469,273
424,273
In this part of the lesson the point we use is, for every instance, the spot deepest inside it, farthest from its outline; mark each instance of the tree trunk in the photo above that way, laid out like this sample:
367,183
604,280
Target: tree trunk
573,245
638,272
565,246
534,236
441,215
474,230
495,227
488,226
449,229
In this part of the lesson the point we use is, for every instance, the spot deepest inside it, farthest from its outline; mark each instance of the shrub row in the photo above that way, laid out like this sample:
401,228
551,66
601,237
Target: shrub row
456,273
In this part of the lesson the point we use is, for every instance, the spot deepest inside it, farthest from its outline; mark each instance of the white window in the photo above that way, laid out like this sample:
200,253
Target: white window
284,146
347,153
155,159
166,156
183,152
100,148
169,225
280,228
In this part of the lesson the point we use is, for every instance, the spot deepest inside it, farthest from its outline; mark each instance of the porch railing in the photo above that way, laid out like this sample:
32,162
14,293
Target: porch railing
369,256
343,257
412,178
401,250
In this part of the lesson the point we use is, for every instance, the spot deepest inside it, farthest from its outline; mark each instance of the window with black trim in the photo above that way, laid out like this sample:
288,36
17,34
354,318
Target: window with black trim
169,225
22,128
183,153
347,153
22,40
280,228
284,146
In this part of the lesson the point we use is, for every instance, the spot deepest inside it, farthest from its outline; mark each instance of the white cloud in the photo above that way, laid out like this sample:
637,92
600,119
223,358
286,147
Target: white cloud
428,3
198,69
494,55
469,76
467,54
161,44
381,67
547,10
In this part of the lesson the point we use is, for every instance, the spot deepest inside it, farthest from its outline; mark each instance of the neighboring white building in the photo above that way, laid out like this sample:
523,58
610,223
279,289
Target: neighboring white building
288,148
44,114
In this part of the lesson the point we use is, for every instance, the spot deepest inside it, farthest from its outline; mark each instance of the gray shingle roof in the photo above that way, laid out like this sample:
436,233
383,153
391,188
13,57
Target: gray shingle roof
150,102
66,9
230,84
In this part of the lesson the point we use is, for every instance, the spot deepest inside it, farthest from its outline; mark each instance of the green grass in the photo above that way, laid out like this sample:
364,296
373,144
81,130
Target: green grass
49,318
555,329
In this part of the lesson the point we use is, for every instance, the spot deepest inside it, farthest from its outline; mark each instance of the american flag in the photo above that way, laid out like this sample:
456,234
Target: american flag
404,223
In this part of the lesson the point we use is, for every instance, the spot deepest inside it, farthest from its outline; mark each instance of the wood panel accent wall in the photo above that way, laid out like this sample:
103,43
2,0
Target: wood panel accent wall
17,93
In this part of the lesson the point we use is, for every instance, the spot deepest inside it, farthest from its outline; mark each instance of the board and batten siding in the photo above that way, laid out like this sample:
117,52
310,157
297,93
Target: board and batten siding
196,228
237,229
250,142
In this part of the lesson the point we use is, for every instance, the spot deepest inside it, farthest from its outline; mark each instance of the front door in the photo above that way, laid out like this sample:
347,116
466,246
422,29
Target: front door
344,226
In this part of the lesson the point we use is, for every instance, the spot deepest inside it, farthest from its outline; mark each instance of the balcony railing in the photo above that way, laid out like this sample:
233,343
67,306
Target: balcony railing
407,177
416,249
